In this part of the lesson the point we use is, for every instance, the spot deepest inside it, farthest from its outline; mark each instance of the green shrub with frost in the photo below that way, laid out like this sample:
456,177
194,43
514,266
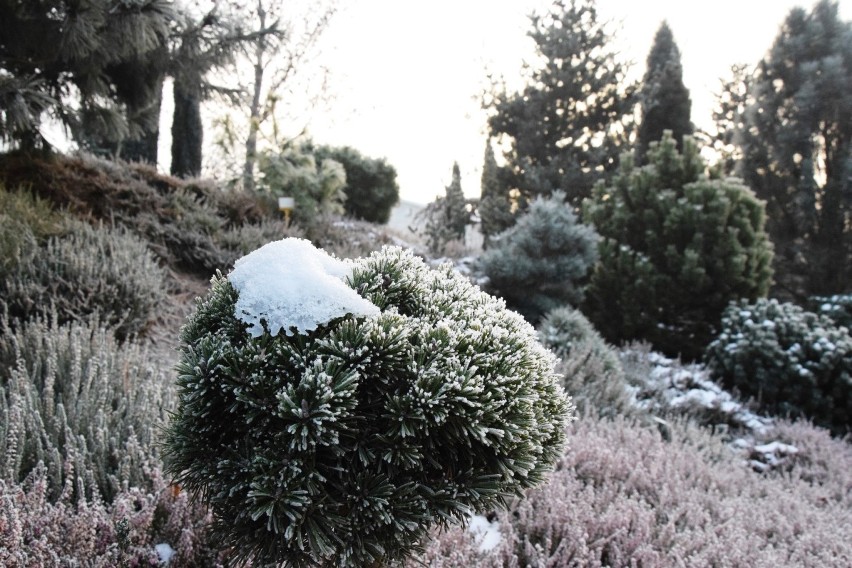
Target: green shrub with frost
837,306
677,246
331,413
542,261
590,368
793,362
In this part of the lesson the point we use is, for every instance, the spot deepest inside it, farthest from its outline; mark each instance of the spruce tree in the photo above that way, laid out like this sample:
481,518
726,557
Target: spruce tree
569,124
542,262
677,247
663,97
796,146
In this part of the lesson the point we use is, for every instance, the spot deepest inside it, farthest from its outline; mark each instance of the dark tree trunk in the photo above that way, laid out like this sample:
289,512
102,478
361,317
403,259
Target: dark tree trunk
187,132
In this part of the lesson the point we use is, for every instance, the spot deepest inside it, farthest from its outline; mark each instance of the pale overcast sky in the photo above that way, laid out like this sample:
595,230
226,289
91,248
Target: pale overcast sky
406,77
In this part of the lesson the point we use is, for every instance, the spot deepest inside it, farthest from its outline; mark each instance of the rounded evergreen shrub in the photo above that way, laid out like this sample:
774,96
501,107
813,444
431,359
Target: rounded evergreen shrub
541,262
676,248
590,368
371,187
792,361
90,271
320,437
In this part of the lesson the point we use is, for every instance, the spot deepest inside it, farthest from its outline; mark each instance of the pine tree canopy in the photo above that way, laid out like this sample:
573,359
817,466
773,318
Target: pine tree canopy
796,146
49,47
570,122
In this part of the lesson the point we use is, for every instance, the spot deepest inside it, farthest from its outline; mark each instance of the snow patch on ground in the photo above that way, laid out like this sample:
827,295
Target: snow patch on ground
670,385
487,532
290,284
164,552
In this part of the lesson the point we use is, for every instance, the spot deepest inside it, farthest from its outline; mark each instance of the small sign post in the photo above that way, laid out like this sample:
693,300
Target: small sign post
286,205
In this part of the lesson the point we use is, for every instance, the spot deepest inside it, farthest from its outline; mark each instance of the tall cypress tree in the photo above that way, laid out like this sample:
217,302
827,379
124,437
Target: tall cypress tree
495,206
663,97
569,124
457,215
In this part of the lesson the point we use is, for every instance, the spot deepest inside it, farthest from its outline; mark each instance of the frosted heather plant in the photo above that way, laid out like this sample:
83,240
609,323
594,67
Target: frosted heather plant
341,439
623,496
590,368
37,530
86,407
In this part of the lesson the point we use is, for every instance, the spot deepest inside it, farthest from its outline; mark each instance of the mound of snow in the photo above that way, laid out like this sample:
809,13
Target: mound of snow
292,285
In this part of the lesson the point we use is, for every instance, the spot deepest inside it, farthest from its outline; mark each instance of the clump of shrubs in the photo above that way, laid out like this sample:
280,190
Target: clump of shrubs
541,262
90,271
590,368
793,362
345,444
84,407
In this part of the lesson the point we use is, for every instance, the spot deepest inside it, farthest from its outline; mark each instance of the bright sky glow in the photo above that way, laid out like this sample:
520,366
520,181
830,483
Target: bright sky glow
407,77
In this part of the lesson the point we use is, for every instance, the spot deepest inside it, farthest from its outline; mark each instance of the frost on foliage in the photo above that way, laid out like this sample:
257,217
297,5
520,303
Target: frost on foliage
345,445
291,284
672,387
792,361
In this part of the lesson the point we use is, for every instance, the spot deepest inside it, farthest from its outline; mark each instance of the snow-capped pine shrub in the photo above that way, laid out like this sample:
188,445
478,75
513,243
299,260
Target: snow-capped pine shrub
101,272
37,530
676,248
793,362
323,438
90,410
590,368
542,261
623,497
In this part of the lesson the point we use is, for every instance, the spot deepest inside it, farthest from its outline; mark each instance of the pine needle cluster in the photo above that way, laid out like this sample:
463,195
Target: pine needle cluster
346,445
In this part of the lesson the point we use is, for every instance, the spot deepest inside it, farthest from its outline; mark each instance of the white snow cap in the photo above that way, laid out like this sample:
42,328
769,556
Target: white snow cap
291,283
